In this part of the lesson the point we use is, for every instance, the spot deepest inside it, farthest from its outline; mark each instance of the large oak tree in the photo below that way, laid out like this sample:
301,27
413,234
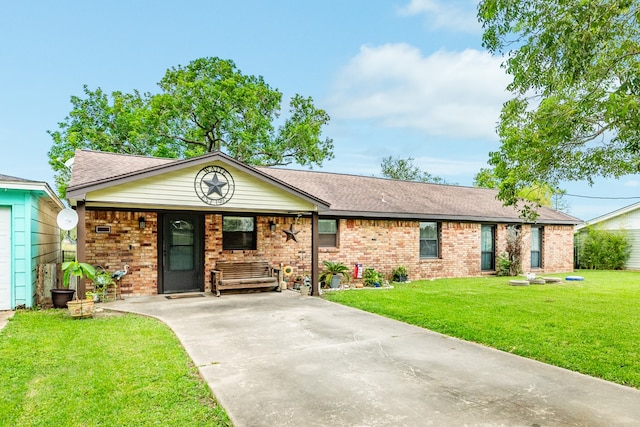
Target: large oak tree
207,105
406,170
575,111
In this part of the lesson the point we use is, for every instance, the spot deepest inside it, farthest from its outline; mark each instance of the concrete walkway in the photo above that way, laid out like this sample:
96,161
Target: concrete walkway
5,315
279,359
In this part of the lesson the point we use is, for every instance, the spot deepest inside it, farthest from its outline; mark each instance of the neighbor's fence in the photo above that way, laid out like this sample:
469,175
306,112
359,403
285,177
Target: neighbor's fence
68,256
576,250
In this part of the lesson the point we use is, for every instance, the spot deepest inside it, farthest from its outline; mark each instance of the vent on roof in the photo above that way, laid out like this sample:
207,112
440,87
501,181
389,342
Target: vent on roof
103,229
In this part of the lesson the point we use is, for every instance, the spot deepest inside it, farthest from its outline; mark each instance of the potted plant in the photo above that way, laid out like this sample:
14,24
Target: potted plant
80,270
60,296
101,282
371,277
400,274
333,273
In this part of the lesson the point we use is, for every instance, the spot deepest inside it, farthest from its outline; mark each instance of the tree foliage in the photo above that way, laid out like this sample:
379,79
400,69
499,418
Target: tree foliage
603,249
406,170
538,194
575,113
486,178
207,105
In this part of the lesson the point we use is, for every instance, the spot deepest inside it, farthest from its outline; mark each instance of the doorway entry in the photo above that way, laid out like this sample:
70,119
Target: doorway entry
488,247
182,257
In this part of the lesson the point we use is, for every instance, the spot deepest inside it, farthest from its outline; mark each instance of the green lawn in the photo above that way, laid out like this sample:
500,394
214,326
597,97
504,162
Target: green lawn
591,327
108,371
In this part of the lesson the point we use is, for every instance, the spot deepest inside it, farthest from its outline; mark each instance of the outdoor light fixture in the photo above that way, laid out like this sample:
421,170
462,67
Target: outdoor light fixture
142,223
272,226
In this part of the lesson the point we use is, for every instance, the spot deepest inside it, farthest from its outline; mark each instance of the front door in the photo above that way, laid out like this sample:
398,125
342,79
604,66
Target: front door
182,253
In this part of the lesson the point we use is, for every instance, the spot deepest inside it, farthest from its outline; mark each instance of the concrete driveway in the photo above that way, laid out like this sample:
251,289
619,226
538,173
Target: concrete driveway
279,359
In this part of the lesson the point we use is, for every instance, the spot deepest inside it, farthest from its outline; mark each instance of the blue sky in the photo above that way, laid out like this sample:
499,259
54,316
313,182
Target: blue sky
403,78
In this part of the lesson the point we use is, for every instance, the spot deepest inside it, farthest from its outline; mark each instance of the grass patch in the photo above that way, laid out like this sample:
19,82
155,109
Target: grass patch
107,371
592,327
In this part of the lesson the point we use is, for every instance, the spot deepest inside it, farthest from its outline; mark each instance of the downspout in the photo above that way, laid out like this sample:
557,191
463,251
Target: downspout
314,254
81,244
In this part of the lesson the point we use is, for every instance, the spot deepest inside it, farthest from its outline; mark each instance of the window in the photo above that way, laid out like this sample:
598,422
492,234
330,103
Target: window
536,247
328,233
181,245
487,247
429,245
238,232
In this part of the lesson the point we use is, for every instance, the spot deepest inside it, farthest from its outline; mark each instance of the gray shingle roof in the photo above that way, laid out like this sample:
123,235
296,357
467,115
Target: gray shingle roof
371,196
95,166
8,178
348,195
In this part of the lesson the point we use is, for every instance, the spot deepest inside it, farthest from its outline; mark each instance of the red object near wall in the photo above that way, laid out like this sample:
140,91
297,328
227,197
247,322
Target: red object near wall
357,271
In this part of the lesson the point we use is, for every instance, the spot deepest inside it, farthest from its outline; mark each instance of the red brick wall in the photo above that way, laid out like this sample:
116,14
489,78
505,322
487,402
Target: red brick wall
271,246
557,248
125,244
382,244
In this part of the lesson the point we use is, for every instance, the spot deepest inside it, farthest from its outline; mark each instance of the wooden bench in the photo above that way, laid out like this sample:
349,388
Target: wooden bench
243,275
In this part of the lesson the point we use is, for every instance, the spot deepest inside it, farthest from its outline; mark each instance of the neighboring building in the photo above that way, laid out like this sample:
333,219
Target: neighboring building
29,236
626,219
172,220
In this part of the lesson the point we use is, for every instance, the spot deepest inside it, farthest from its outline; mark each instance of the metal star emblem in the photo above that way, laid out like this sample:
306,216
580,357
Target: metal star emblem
291,234
215,185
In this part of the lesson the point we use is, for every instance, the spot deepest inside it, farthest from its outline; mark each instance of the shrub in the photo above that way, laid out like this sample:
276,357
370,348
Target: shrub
604,249
371,277
400,274
510,263
503,265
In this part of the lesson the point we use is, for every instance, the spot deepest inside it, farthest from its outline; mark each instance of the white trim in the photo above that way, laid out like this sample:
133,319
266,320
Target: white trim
32,186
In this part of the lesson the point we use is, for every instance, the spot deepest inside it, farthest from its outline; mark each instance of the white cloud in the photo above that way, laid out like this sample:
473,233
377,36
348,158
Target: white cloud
457,15
452,94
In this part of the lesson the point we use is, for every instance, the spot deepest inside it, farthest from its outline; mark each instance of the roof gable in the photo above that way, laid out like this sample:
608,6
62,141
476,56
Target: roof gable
109,179
616,217
42,188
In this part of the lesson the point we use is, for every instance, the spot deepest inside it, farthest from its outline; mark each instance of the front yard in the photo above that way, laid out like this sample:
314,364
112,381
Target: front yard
592,327
119,370
131,370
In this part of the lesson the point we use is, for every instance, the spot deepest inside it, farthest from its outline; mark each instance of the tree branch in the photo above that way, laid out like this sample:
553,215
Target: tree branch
185,140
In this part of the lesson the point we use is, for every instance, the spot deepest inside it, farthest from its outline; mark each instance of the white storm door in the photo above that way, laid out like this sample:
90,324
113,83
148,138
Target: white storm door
5,258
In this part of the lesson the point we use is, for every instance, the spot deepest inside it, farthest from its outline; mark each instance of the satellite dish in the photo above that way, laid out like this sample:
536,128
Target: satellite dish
67,219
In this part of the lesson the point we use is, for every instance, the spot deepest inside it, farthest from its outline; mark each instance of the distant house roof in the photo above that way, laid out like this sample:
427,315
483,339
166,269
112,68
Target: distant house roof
337,194
15,183
610,215
13,179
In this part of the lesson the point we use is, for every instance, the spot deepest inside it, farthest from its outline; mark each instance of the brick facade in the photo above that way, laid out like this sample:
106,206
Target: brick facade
125,244
382,244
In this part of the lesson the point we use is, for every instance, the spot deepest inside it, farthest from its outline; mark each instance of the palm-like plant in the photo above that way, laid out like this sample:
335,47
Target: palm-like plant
77,269
333,269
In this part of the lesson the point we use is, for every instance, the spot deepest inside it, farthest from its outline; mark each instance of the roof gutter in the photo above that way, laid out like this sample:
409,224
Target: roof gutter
441,217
